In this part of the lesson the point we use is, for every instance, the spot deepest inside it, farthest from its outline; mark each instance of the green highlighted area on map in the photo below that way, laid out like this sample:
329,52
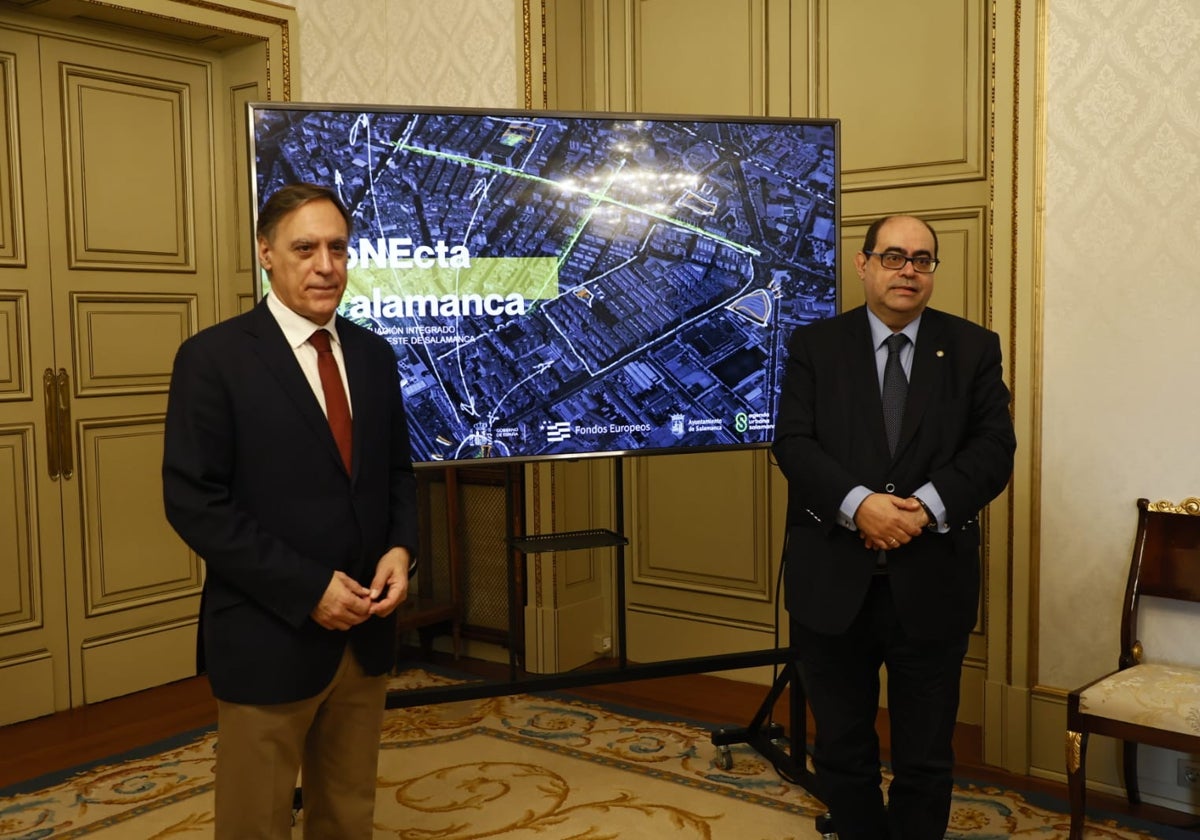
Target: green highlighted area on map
488,286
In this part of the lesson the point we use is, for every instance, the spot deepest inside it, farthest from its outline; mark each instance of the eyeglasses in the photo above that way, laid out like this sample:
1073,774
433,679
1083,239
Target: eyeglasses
894,261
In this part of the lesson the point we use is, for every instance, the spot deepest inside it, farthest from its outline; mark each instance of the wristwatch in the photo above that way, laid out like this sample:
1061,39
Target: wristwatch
933,523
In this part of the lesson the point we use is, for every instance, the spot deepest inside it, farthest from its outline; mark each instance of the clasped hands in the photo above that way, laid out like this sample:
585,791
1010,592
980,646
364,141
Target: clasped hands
347,602
885,521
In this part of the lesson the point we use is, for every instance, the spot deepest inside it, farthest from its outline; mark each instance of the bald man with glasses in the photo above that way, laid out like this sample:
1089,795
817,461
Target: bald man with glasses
893,433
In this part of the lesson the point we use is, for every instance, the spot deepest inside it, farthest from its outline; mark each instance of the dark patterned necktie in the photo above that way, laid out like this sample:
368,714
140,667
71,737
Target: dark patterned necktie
895,389
337,407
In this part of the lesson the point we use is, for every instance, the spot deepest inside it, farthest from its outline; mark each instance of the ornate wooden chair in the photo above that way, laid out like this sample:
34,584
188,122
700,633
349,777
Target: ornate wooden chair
1142,702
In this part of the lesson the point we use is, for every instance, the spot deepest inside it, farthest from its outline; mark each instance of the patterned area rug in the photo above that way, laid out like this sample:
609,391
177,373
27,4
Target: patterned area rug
521,766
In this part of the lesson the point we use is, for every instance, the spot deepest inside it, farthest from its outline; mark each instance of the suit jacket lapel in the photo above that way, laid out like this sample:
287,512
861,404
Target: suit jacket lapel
279,358
860,356
924,376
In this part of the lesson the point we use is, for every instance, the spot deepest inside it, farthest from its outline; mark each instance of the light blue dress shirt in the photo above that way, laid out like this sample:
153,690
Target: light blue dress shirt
927,493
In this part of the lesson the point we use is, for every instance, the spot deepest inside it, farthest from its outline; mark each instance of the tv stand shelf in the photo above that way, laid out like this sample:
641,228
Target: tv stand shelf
568,541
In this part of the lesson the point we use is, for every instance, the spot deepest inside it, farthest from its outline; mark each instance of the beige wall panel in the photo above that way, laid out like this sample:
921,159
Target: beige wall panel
792,32
562,638
584,493
115,174
961,280
776,510
725,57
243,222
577,570
18,571
131,558
566,51
125,344
28,687
12,245
698,56
16,378
909,88
697,530
1047,745
117,665
658,636
242,80
970,705
241,276
561,578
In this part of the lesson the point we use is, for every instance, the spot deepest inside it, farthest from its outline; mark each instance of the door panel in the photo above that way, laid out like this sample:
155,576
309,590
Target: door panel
132,275
113,167
108,243
33,639
101,280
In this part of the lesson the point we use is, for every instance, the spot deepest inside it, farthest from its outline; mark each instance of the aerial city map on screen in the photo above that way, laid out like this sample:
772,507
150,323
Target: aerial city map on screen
573,285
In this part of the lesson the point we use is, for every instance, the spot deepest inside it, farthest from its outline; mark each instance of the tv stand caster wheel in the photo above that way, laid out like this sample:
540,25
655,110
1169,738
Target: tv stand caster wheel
724,758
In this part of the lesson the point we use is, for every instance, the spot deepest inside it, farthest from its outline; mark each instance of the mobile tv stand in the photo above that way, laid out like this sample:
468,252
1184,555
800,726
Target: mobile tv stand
571,541
788,755
786,749
767,738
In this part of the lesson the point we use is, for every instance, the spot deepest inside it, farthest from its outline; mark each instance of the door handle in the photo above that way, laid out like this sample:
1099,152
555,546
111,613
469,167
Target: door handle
63,405
50,392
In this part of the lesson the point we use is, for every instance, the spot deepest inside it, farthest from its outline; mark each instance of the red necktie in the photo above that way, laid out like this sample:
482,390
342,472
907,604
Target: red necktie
337,407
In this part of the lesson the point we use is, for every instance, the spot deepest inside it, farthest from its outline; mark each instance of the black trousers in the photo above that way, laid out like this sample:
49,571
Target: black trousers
841,680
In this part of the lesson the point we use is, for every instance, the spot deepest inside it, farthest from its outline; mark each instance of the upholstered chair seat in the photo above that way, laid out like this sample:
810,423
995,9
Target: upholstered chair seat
1159,696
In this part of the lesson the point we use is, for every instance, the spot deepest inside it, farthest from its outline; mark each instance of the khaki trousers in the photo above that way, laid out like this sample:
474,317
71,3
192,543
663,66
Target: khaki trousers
333,738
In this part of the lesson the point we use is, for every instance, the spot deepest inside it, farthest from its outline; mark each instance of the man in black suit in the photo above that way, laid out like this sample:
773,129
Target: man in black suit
307,530
882,562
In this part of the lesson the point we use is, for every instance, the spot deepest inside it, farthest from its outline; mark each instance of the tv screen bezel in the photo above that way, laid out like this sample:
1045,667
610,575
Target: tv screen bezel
829,122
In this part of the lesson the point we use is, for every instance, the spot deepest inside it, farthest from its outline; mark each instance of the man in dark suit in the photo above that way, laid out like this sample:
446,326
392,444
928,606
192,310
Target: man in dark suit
882,561
306,524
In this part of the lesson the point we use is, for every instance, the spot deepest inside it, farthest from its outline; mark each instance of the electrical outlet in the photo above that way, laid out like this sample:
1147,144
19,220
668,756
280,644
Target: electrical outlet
1189,773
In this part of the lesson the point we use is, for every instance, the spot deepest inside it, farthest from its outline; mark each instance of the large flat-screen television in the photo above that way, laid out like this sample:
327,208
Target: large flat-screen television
573,284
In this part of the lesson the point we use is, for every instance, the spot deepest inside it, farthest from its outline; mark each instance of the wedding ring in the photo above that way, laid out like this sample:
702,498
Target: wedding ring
894,541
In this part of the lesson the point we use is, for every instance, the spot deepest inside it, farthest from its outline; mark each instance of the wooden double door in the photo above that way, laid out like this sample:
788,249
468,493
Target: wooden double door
107,262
